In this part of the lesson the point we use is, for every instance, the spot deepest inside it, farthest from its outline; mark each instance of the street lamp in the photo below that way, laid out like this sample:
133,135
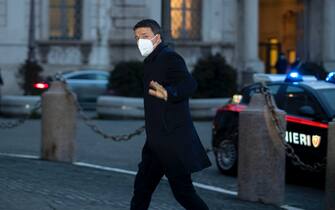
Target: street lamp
30,70
31,36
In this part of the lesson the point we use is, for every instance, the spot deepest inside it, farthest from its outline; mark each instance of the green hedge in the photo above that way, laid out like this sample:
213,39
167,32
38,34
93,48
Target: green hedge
126,79
28,75
215,77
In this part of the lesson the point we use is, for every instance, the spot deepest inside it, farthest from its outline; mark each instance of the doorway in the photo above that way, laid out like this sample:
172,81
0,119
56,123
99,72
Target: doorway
280,31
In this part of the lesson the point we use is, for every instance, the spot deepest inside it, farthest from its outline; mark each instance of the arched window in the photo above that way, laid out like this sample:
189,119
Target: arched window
65,18
185,19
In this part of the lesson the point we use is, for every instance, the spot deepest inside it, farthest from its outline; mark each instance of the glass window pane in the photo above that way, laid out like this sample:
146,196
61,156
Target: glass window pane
188,21
188,4
185,19
329,96
54,3
101,77
84,76
294,89
294,98
176,23
54,19
70,3
192,4
176,4
65,19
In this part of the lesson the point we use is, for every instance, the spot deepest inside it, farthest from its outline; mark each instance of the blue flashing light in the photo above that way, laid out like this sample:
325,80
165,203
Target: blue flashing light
331,77
293,76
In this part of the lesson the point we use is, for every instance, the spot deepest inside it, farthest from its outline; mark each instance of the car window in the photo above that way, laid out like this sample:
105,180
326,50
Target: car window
295,97
273,88
248,92
83,76
101,77
277,94
329,96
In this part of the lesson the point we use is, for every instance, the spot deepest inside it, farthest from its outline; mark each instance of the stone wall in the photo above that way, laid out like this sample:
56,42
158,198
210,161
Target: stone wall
13,31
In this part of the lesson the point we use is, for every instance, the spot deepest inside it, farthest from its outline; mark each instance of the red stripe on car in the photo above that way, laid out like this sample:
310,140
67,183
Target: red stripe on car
289,118
305,122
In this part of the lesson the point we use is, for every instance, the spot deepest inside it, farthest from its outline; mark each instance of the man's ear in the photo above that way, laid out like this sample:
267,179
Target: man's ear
157,40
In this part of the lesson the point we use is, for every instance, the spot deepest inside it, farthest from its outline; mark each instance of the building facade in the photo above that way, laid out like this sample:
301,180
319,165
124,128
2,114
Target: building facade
75,34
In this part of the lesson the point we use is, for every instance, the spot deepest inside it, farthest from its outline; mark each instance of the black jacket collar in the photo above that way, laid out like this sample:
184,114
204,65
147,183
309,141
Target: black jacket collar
154,53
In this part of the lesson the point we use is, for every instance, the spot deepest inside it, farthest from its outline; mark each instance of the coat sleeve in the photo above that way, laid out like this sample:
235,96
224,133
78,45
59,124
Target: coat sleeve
179,84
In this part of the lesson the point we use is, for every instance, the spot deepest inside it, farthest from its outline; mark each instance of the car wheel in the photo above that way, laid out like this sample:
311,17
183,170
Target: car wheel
226,157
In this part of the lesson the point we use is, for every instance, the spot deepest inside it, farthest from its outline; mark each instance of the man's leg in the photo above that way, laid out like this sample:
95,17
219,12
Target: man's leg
148,176
185,193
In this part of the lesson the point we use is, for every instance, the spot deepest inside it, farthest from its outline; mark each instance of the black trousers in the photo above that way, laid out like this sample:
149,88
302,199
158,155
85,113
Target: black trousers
148,177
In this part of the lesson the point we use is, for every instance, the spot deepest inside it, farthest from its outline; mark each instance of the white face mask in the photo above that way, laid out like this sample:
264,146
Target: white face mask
145,46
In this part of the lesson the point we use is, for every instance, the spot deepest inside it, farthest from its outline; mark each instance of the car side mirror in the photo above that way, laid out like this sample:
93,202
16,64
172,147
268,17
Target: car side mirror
307,111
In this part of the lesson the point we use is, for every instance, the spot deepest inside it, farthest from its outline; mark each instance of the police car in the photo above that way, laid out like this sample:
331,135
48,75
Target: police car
309,104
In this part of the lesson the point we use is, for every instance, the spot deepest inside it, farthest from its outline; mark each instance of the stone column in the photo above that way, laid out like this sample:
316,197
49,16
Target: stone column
330,175
328,38
250,39
261,156
102,24
58,124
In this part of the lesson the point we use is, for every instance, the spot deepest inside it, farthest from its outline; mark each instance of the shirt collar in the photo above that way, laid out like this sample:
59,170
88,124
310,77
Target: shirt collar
154,53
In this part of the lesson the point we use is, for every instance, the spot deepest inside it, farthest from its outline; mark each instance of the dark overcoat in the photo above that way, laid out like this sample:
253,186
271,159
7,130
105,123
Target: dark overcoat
171,135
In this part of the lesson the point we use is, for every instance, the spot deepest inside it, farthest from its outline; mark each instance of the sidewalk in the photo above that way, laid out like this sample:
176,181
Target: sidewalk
35,184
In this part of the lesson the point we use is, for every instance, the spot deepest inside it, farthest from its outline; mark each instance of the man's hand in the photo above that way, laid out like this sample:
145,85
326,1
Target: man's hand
157,90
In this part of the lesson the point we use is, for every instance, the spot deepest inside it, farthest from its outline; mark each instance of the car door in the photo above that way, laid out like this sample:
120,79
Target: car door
101,83
83,84
306,124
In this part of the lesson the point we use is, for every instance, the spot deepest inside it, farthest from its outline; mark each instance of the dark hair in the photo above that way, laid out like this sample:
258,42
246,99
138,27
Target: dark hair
155,27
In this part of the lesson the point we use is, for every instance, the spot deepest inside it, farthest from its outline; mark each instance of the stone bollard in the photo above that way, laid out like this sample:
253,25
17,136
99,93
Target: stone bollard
261,160
58,124
330,173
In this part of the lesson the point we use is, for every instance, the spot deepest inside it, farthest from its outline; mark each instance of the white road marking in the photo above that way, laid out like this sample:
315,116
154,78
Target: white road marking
215,189
123,171
20,156
105,168
290,207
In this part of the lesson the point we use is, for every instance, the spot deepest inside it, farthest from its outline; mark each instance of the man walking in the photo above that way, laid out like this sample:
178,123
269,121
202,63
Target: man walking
172,147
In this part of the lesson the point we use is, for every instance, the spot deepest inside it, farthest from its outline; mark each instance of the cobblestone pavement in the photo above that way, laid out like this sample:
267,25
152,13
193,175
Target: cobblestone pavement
50,185
35,184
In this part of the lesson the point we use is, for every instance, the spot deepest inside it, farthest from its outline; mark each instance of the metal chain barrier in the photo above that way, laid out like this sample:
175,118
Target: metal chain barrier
89,122
295,159
18,122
